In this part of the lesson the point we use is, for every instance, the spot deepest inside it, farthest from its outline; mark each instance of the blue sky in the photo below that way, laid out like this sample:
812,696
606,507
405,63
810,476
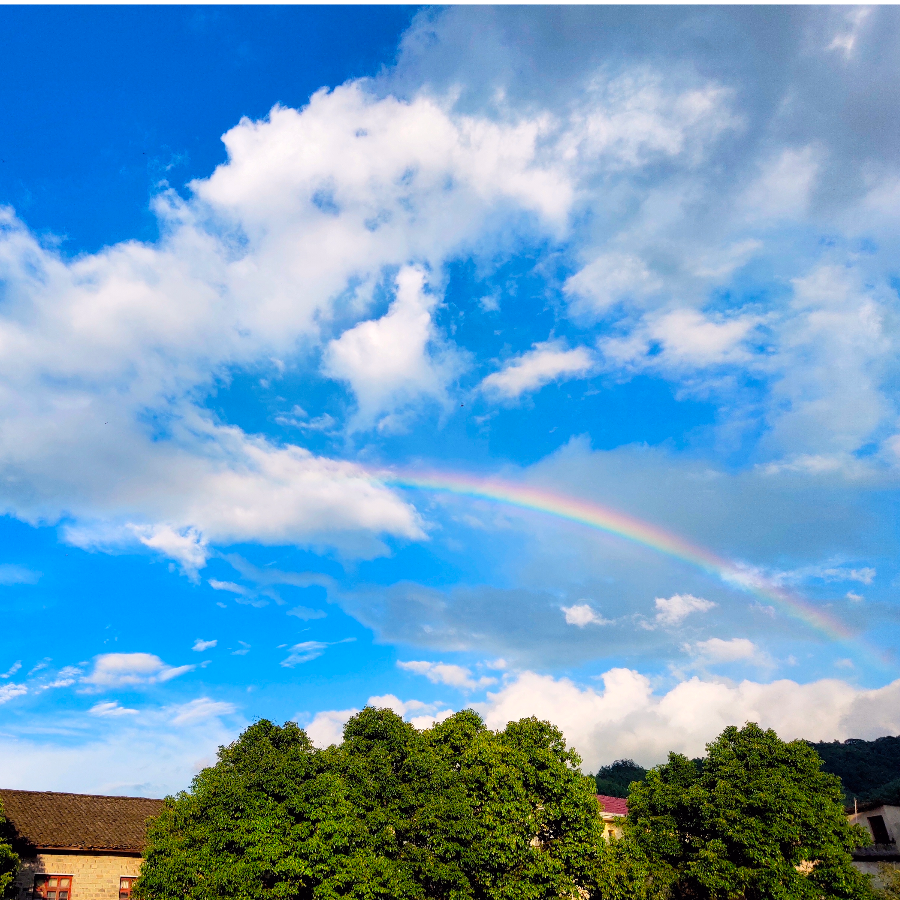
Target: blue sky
250,258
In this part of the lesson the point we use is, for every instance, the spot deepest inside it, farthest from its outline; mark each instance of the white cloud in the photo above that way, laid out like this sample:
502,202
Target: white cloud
66,677
306,614
581,614
111,708
189,547
680,340
846,37
610,278
673,610
539,366
395,361
327,727
257,265
626,719
689,337
864,576
305,651
200,710
716,650
13,574
418,713
113,670
444,673
10,691
200,645
784,185
230,586
12,669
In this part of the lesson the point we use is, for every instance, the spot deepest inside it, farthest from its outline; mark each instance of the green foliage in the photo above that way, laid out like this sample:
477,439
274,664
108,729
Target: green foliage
615,779
456,812
889,877
869,770
9,860
757,820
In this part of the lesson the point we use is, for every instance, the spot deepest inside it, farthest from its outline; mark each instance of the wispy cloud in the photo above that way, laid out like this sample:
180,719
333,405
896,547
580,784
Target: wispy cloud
111,709
115,670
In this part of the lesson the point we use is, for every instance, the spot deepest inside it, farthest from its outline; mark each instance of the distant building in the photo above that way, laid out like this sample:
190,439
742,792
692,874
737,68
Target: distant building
883,824
614,810
77,846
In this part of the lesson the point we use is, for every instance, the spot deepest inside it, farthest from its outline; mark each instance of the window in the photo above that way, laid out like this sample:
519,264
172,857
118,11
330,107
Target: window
53,887
125,885
879,830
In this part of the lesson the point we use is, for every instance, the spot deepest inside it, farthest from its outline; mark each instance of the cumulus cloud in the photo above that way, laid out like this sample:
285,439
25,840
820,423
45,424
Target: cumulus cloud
445,673
253,266
416,712
679,339
396,360
675,609
627,719
327,727
200,645
609,278
716,650
12,669
115,670
542,364
581,614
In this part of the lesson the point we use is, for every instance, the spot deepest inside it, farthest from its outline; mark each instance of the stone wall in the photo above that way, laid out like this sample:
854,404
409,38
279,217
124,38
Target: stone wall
94,876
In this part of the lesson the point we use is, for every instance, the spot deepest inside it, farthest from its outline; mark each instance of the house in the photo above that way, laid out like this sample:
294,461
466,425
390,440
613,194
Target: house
882,821
614,810
76,846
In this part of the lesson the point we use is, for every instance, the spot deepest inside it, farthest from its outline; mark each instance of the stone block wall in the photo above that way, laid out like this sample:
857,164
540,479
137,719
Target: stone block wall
94,876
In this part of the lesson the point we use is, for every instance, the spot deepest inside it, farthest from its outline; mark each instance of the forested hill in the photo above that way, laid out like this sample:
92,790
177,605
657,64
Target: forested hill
869,770
613,780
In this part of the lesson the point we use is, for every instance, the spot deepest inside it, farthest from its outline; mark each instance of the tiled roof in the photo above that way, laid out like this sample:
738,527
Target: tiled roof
46,820
613,806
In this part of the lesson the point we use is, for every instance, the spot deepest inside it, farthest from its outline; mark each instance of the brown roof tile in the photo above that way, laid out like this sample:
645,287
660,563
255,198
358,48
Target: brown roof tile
46,819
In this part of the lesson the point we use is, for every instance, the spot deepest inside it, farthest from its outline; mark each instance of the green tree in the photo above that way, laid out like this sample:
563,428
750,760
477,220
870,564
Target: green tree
9,860
756,819
456,811
889,882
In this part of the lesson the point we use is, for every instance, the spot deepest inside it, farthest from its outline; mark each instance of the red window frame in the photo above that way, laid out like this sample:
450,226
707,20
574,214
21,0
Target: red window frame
52,887
126,883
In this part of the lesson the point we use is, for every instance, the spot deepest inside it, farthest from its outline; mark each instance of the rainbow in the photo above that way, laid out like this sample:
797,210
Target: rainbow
622,525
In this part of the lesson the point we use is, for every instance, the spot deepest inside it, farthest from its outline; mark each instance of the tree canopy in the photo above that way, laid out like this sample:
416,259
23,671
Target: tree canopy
9,860
456,811
755,819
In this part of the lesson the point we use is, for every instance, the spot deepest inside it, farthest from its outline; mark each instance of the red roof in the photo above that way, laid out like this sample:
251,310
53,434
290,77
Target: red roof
614,806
